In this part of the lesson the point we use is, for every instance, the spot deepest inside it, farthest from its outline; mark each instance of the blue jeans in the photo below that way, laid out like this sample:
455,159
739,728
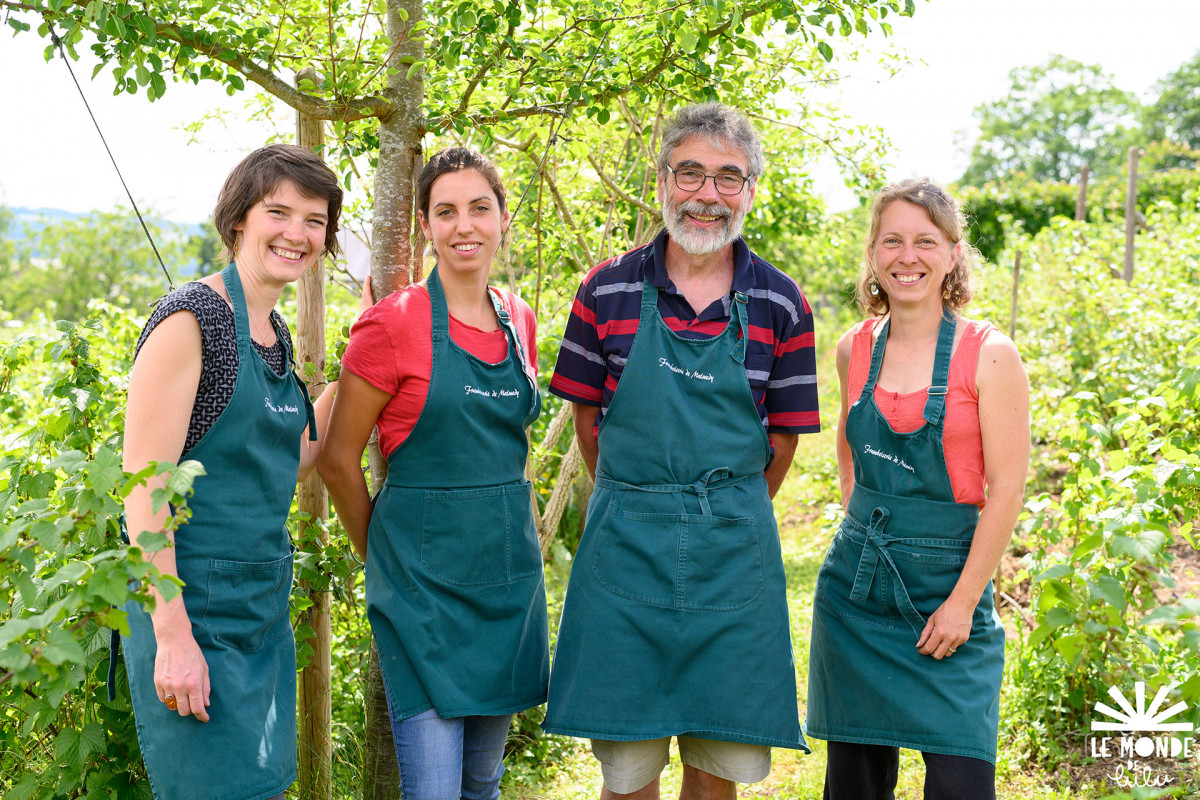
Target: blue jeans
450,759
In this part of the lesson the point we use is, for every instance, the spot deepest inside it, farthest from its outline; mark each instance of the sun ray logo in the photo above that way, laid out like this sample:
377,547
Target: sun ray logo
1167,739
1139,718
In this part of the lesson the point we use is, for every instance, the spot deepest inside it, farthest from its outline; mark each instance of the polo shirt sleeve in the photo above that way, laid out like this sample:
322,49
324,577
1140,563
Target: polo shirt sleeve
791,396
370,353
580,370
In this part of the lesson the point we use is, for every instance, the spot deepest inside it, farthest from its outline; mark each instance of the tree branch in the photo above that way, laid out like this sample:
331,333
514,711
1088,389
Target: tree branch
482,72
317,108
619,192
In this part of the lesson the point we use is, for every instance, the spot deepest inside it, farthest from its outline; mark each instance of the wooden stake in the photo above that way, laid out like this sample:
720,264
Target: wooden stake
1131,212
315,700
1081,202
1012,312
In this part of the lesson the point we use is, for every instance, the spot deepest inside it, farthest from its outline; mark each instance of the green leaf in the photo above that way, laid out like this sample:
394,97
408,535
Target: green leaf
687,41
61,647
1111,590
825,50
24,788
1143,546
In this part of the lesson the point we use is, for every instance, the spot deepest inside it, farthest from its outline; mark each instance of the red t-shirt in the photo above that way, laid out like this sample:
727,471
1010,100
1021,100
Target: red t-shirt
391,348
962,441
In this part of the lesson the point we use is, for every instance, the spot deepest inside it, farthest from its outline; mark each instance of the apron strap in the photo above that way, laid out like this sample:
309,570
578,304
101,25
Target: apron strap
876,360
714,479
237,298
935,404
875,548
740,316
439,311
507,324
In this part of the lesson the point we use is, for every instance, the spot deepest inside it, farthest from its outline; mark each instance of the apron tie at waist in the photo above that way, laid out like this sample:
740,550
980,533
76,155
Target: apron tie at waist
875,547
710,481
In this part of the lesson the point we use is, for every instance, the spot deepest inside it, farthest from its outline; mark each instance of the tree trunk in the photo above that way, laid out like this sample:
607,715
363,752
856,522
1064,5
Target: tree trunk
391,258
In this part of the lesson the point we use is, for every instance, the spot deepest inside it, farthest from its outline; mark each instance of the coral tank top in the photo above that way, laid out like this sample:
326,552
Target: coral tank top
962,442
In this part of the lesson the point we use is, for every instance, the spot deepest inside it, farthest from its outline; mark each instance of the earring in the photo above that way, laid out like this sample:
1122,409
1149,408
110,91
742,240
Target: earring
873,287
237,243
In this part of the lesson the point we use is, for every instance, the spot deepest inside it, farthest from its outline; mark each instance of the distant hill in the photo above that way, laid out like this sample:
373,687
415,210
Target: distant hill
28,223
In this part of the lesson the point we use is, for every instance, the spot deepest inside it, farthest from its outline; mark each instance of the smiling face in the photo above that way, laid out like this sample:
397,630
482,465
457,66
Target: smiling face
911,255
282,234
704,221
465,221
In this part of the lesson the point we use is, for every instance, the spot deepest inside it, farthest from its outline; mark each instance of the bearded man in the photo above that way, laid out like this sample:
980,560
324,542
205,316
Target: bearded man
690,365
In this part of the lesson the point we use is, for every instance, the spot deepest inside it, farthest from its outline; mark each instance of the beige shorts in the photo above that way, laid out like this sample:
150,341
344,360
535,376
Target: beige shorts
628,766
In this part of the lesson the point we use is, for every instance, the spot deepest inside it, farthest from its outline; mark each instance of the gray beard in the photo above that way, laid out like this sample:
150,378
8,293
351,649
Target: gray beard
699,242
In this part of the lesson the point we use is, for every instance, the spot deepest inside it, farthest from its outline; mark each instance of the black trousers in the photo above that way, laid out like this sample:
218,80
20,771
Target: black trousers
870,772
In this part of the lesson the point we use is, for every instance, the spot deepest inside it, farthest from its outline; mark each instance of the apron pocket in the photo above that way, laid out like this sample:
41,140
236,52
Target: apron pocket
246,600
930,575
468,536
722,564
525,554
685,561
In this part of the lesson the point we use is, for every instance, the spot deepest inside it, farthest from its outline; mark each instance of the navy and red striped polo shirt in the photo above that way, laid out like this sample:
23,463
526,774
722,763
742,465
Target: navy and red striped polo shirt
780,356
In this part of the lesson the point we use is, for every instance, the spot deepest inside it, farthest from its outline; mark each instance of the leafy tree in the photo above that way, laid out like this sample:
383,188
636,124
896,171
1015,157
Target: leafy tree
1175,115
1056,117
572,90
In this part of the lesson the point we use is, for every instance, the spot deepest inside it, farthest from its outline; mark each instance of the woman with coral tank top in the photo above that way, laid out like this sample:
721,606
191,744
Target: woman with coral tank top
933,447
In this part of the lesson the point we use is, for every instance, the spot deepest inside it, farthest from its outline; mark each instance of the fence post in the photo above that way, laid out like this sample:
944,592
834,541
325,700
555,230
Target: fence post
1131,212
1012,312
1081,201
316,711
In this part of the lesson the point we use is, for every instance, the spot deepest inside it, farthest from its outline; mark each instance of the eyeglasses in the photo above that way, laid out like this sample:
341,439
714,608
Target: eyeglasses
691,180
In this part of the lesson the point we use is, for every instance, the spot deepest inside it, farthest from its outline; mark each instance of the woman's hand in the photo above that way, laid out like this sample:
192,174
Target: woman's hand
367,299
948,629
180,671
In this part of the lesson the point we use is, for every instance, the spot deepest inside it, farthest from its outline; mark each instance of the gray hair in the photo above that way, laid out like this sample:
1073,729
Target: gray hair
720,125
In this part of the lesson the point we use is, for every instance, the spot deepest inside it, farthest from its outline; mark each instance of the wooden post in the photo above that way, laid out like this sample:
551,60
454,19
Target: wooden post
1131,212
1081,202
1012,313
315,701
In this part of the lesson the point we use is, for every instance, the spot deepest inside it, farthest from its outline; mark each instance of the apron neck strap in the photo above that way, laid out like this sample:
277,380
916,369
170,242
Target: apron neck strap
738,317
517,345
237,299
876,359
935,404
439,311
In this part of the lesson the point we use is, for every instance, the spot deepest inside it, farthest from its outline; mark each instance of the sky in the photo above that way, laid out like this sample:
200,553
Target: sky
962,52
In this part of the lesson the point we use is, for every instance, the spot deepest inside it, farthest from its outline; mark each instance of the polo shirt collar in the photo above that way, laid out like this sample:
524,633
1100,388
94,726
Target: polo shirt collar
656,265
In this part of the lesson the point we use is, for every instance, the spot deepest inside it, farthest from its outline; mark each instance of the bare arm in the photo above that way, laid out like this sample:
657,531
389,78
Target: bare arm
1004,425
784,445
844,459
353,417
585,424
310,451
162,391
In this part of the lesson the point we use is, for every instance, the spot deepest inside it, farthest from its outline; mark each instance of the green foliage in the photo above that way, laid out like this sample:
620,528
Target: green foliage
100,256
1114,372
1055,117
1001,211
1175,115
64,572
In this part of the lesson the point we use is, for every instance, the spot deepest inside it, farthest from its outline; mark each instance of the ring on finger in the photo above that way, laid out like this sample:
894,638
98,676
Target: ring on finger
952,651
170,701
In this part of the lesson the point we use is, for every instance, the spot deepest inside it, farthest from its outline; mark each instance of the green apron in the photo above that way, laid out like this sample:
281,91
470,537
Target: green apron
235,559
455,591
675,619
894,561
